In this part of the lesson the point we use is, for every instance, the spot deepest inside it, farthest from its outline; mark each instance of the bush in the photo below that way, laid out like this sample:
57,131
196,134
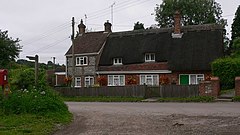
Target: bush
226,69
33,101
27,98
236,98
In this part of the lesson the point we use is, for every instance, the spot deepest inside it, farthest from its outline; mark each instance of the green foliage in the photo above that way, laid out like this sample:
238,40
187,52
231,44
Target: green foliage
226,69
236,48
32,124
103,99
193,12
9,49
22,78
236,99
236,24
188,99
32,101
138,26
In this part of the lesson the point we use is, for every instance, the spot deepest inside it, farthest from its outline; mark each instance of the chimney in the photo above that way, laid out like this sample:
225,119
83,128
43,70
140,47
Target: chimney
177,22
81,27
177,25
107,26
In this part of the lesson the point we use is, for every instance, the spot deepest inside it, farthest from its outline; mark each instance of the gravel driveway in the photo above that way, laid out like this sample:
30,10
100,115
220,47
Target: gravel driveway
153,119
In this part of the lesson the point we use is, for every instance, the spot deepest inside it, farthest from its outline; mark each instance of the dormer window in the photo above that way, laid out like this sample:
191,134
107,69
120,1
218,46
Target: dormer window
149,57
117,61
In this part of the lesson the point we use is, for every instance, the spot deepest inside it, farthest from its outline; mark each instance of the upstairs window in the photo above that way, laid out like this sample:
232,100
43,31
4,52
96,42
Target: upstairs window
149,57
117,61
81,61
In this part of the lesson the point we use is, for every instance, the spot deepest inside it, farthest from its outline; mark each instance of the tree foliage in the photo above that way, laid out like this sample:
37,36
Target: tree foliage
226,69
236,48
236,25
193,12
138,26
9,48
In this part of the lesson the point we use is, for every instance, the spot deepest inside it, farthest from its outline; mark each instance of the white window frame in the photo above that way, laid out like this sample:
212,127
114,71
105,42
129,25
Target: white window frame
117,61
77,79
115,80
82,61
144,79
198,78
150,57
89,81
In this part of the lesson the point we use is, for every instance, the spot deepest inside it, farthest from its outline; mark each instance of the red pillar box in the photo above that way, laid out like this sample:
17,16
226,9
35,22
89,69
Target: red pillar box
3,77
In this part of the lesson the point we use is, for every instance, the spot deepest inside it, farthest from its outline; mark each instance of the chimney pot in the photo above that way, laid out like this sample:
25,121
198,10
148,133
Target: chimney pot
107,26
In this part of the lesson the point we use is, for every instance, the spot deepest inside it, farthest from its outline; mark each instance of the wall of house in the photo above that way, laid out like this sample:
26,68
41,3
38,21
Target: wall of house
173,78
85,70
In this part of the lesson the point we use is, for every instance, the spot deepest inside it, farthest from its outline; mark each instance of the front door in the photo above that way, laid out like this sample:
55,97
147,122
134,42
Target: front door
184,79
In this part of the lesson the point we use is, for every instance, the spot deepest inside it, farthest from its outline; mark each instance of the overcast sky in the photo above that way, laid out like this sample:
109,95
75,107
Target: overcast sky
44,26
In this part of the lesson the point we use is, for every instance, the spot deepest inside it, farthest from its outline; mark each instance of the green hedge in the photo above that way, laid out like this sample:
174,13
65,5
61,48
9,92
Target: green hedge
226,69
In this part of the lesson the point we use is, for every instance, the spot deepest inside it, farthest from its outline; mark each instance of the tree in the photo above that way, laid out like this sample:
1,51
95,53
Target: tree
193,12
236,25
236,47
138,26
9,49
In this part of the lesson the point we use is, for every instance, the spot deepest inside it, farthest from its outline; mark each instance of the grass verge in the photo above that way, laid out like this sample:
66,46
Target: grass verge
188,99
103,99
32,124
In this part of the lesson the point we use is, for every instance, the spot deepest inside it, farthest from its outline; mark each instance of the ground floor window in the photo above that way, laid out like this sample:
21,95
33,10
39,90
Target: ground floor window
190,79
116,80
89,81
149,80
77,81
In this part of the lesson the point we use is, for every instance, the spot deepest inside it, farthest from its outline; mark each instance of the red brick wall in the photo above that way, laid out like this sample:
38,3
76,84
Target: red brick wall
60,80
173,78
237,86
210,88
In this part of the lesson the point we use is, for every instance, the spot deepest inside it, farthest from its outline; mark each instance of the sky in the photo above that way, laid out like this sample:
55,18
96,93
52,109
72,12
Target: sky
44,26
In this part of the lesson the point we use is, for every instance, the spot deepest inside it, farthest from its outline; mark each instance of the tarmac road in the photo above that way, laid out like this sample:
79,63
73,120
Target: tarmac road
153,119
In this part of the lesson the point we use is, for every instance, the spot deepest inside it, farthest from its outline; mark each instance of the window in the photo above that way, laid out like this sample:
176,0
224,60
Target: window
149,57
116,80
89,81
191,79
149,80
81,61
117,61
77,81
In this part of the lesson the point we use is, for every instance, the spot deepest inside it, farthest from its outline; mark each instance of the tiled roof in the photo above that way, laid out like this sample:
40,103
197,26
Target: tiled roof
88,43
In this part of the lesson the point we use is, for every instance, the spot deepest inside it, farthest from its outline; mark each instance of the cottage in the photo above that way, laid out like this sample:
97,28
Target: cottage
179,55
87,49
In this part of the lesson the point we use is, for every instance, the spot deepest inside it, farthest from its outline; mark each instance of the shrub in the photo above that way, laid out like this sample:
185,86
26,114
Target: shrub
226,69
236,98
27,98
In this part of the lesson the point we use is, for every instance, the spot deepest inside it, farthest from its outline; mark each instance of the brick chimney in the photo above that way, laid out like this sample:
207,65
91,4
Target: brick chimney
177,25
81,27
107,26
177,22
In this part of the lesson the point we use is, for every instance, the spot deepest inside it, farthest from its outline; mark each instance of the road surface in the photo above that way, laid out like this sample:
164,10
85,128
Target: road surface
153,119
